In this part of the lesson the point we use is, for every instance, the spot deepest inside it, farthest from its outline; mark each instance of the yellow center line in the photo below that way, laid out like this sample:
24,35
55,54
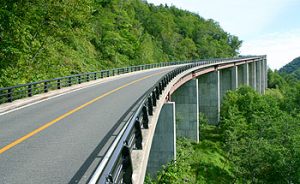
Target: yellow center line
27,136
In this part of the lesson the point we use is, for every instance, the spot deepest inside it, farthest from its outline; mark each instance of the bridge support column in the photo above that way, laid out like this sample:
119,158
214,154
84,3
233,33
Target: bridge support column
240,75
209,96
263,76
252,75
266,74
163,148
243,75
187,110
234,77
228,80
258,76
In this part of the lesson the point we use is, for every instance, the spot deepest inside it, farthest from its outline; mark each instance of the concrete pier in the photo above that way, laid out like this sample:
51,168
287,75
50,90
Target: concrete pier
263,76
252,75
228,79
243,75
209,96
234,77
163,148
240,75
258,76
187,110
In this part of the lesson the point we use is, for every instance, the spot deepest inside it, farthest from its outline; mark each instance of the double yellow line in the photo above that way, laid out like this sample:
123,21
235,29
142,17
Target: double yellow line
27,136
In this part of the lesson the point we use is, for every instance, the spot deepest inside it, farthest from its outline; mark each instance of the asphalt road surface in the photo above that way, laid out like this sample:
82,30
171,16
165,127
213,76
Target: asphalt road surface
59,140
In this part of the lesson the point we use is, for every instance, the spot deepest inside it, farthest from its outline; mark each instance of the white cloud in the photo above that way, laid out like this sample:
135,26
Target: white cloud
280,48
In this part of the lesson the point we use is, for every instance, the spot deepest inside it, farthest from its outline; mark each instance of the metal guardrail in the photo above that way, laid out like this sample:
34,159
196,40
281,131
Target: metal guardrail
116,167
9,94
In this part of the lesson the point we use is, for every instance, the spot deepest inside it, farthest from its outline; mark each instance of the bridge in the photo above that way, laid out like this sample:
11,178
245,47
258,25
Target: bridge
113,126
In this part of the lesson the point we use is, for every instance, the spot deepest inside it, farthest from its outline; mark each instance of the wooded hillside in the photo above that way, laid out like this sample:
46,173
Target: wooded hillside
292,68
42,39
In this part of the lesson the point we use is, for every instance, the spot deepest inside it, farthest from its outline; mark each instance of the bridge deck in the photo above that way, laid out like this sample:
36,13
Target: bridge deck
63,135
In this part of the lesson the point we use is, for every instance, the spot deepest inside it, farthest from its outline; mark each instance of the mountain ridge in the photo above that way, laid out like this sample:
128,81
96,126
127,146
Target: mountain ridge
47,38
292,68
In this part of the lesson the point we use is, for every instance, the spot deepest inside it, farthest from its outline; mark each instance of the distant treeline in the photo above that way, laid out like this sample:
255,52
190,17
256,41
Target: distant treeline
292,68
44,39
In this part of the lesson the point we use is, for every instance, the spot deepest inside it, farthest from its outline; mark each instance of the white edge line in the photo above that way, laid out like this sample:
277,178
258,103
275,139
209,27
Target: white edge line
71,91
49,98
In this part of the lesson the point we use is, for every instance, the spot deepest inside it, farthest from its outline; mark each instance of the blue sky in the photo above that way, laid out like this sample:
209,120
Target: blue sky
269,27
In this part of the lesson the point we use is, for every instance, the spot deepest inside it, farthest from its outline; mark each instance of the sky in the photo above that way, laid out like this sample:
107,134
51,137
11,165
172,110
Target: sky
270,27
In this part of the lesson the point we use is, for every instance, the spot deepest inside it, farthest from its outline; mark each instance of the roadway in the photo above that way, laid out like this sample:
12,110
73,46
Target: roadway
62,139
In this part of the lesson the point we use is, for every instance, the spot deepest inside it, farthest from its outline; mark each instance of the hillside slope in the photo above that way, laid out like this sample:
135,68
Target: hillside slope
292,68
48,38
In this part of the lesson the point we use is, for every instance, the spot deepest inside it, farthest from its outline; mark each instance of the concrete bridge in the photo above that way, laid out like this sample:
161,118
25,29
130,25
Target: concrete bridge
200,90
116,129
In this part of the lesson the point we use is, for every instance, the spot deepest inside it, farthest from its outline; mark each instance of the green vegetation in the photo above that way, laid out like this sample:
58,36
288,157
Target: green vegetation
292,68
205,162
47,38
261,137
257,140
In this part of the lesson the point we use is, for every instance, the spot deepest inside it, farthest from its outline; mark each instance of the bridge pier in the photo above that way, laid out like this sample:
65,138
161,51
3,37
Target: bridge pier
258,76
243,75
187,110
229,80
234,77
252,75
209,96
163,148
263,75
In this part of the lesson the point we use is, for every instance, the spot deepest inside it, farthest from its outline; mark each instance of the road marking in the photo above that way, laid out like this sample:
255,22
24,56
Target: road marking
27,136
103,80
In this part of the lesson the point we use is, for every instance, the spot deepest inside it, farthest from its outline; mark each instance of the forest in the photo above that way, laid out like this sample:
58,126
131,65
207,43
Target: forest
256,141
44,39
292,68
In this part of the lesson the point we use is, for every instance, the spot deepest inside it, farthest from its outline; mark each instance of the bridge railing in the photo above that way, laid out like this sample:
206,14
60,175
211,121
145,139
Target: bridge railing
9,94
116,167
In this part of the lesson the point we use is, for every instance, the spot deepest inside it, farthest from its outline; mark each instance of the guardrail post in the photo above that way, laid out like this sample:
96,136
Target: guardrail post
160,88
157,92
58,84
79,79
45,87
70,81
9,95
154,98
95,76
145,117
101,74
150,106
138,135
168,78
29,90
127,165
87,77
107,73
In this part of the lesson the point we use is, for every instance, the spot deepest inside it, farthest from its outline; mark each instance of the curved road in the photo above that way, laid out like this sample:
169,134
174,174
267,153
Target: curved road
60,140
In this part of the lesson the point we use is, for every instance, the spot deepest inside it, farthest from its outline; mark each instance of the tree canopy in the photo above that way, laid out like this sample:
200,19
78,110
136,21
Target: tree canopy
256,141
44,39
